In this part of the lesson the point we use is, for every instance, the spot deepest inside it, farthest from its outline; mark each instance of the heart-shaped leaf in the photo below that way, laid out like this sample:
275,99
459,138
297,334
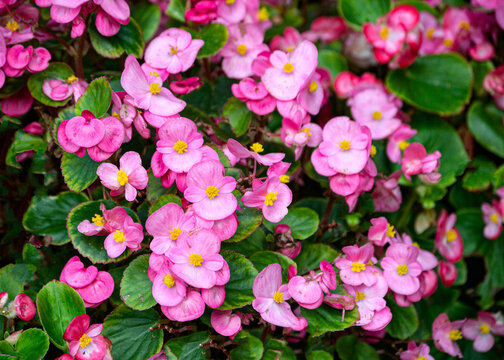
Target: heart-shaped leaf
128,40
136,288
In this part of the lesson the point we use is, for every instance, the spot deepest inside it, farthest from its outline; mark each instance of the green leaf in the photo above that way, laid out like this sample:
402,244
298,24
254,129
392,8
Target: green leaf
480,70
32,344
47,216
350,348
254,243
437,83
131,335
189,347
163,200
404,321
419,4
56,70
278,349
148,17
136,287
24,142
249,220
57,305
129,39
325,318
480,179
238,114
239,287
215,37
78,172
332,61
250,347
302,221
176,10
312,254
93,247
96,99
261,259
13,277
485,123
319,355
358,12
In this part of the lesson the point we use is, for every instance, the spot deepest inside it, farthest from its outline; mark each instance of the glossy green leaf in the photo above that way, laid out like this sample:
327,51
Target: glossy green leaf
189,347
238,114
278,349
96,99
136,287
485,123
176,10
404,321
350,348
131,335
437,83
481,178
56,70
57,305
215,37
78,172
47,216
239,287
254,243
249,348
249,220
261,259
24,142
32,344
312,254
163,200
358,12
148,17
419,4
302,221
128,40
13,277
325,318
332,61
480,70
319,355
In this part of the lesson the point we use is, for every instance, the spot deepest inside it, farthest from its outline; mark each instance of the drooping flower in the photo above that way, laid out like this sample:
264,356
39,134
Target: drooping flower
241,152
387,194
401,268
415,352
355,267
448,273
225,322
446,334
448,240
482,331
58,90
85,342
306,292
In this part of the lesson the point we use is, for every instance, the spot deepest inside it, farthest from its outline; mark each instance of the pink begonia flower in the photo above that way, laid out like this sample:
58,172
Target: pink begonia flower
432,35
311,96
3,299
369,299
241,152
126,112
493,216
426,259
290,71
100,137
306,292
387,195
231,12
101,225
128,178
397,142
387,39
358,50
65,357
446,334
344,83
167,288
355,267
482,331
92,285
241,49
273,197
415,352
448,273
345,148
190,308
225,322
24,306
18,104
58,90
381,319
326,29
147,91
493,83
166,225
381,231
416,161
373,106
448,240
85,342
34,128
210,191
428,285
196,259
258,100
271,299
214,297
20,31
202,12
18,59
174,50
293,133
126,235
184,87
180,144
401,268
286,42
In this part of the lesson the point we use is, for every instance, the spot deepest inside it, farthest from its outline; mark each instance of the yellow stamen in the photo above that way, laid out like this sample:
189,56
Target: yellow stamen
448,43
97,220
345,145
241,49
118,236
212,191
390,230
484,329
451,235
72,79
288,68
122,178
284,179
256,147
155,88
180,146
359,295
402,269
12,25
278,297
270,198
403,145
307,130
85,340
494,218
384,32
168,280
358,267
263,14
154,73
421,358
430,33
289,49
455,335
464,25
173,50
373,151
313,86
116,115
230,2
175,233
414,243
377,115
195,260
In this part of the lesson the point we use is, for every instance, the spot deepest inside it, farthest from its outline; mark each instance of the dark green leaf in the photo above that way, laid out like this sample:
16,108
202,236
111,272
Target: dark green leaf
485,123
239,287
189,347
56,70
129,39
261,259
325,318
78,172
249,220
176,10
419,4
163,200
32,344
250,347
148,17
96,99
404,321
13,277
470,224
312,254
480,70
350,348
302,221
215,37
238,114
254,243
332,61
481,178
358,12
24,142
136,287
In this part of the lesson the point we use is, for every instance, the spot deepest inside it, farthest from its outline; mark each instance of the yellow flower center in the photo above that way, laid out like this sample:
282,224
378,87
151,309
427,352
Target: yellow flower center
384,32
358,267
122,178
464,25
284,179
85,340
448,43
168,280
345,145
451,235
180,146
97,220
484,329
116,115
175,233
155,88
230,2
241,49
307,130
421,358
173,50
72,79
288,68
212,191
494,218
359,295
12,25
403,145
278,297
263,14
373,151
377,115
414,243
195,260
430,33
455,335
270,198
313,86
402,269
390,230
118,236
289,49
256,147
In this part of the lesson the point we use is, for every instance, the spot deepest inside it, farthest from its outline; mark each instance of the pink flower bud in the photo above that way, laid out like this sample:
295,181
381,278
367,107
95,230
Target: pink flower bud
34,128
3,299
25,308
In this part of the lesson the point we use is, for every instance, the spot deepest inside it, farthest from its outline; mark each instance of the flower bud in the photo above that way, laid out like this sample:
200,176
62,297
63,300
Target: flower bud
24,306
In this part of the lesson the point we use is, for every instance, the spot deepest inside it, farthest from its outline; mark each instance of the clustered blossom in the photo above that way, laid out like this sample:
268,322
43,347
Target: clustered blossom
493,216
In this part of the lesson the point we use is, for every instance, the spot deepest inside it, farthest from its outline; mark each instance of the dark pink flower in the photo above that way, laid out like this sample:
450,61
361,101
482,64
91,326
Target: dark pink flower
448,239
85,342
24,306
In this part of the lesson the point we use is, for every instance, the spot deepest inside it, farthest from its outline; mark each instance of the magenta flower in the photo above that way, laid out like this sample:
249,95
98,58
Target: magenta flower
184,87
306,292
174,50
19,58
387,196
210,191
416,161
130,177
167,288
415,352
369,299
125,235
345,148
482,331
381,232
356,268
290,71
192,307
196,259
493,216
225,322
272,197
448,239
147,91
24,307
326,29
446,334
85,342
241,152
270,298
397,142
258,100
448,273
401,268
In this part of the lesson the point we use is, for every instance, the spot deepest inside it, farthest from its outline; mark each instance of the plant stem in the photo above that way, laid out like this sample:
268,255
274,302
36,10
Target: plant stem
324,222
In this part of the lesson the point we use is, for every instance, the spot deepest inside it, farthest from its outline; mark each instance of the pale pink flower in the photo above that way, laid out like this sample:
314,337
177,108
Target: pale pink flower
286,42
326,29
258,100
416,161
126,112
294,133
493,216
167,288
225,322
415,352
125,235
426,258
381,232
355,267
397,142
446,334
241,152
231,12
380,320
482,331
190,308
387,195
448,240
306,291
401,268
58,90
85,342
